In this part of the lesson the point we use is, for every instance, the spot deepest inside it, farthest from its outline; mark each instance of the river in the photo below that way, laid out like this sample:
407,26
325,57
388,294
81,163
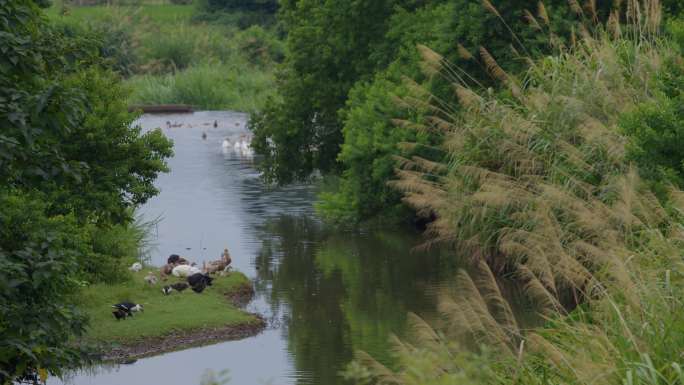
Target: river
325,292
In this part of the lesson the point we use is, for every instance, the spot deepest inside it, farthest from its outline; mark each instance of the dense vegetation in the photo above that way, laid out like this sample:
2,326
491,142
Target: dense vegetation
561,183
168,57
243,13
72,170
344,68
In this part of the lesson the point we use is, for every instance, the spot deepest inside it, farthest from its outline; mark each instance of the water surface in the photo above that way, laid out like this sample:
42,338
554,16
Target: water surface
325,292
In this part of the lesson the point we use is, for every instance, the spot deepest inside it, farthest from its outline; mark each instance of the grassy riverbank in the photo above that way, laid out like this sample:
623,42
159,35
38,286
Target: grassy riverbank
167,57
163,315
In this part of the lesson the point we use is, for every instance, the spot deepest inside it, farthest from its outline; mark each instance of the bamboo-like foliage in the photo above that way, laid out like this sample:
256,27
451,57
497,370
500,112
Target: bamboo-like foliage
538,187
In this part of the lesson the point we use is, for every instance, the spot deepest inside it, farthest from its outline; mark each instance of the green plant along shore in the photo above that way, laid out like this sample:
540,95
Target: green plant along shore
178,314
167,57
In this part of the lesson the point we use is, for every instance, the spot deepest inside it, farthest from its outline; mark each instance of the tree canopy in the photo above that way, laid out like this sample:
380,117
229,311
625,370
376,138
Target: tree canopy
70,162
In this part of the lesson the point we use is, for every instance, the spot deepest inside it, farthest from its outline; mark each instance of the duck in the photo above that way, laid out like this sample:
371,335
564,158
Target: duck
180,286
128,307
204,135
150,278
226,143
119,314
215,123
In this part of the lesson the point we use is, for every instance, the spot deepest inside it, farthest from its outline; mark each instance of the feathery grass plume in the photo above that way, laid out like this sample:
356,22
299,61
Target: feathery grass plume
432,61
492,66
467,97
463,52
410,124
381,374
532,20
497,304
538,189
488,6
590,5
541,11
575,7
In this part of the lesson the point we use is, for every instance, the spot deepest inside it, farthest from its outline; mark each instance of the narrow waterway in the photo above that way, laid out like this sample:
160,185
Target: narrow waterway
325,292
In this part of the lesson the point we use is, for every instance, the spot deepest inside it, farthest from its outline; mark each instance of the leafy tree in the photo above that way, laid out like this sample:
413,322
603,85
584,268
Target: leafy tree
39,256
330,46
71,166
370,138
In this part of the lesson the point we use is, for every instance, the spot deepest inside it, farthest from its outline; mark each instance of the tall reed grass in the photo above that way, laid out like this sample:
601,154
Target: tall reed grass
169,59
534,185
207,86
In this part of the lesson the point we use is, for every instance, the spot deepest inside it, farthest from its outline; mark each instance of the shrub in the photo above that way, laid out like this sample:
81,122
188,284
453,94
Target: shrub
38,317
171,51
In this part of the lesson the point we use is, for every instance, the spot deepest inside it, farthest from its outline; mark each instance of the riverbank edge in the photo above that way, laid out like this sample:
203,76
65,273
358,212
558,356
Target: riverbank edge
186,339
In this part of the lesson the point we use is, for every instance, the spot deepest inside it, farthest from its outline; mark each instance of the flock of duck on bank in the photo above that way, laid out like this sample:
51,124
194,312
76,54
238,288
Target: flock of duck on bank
197,279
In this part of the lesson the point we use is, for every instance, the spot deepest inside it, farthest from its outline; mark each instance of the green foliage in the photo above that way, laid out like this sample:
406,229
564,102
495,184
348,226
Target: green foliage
336,103
329,48
71,169
656,128
539,186
242,13
39,256
209,86
370,137
265,6
656,131
122,162
168,59
113,37
170,52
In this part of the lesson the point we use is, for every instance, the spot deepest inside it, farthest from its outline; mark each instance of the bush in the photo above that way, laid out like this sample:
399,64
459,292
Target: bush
260,47
70,161
112,35
656,132
38,316
242,14
171,51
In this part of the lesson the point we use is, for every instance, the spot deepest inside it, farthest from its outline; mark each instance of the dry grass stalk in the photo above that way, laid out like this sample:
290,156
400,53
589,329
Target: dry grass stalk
463,52
541,11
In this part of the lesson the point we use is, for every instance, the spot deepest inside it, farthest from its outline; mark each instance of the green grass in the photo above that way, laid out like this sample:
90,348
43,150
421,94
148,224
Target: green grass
156,13
174,60
163,314
205,86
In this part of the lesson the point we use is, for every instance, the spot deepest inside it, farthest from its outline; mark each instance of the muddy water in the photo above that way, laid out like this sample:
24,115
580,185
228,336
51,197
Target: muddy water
325,292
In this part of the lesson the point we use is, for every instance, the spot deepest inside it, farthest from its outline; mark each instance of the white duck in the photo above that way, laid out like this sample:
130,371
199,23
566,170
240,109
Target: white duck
226,143
243,146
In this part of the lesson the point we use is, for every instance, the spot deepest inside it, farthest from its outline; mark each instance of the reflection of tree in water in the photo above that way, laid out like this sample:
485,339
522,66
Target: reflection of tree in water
342,291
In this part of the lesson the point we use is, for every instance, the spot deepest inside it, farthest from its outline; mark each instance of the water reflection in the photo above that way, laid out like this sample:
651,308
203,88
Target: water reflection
338,293
325,292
